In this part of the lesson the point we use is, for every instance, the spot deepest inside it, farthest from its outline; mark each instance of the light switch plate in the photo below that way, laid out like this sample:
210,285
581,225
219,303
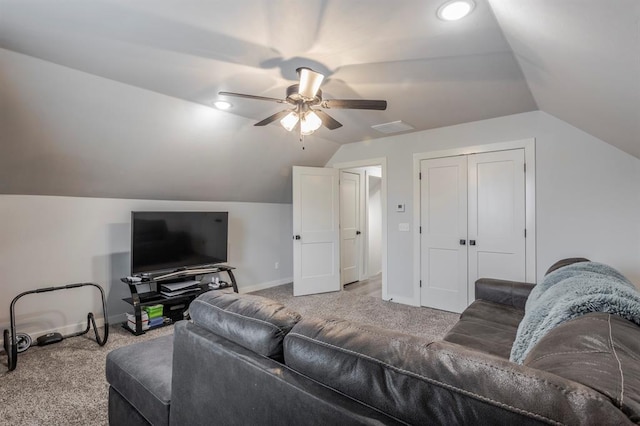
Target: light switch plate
400,207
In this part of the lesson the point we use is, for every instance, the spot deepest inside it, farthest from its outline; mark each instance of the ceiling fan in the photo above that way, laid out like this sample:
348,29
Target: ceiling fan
304,102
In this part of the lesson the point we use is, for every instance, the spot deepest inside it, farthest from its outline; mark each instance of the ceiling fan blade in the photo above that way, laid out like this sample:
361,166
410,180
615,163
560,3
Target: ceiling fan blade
277,116
354,104
259,98
328,121
310,82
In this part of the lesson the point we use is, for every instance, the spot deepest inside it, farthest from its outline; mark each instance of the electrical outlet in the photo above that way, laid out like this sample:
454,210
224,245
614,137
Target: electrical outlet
277,265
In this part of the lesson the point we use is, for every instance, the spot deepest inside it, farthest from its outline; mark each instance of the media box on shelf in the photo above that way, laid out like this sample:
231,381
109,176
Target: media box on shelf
174,305
170,253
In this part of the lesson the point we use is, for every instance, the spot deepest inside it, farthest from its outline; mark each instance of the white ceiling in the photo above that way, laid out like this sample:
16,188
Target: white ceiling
94,92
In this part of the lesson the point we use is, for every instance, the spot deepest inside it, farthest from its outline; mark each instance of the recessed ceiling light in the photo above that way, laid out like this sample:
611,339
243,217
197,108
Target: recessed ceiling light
222,104
456,9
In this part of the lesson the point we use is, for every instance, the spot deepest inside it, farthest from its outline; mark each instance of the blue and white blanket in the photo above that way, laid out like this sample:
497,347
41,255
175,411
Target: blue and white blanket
569,292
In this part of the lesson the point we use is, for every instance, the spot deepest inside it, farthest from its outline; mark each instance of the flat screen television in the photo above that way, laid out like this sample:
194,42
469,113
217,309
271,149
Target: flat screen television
168,241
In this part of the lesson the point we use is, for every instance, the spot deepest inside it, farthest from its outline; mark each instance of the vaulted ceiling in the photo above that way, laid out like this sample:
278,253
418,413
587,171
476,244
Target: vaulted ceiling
114,98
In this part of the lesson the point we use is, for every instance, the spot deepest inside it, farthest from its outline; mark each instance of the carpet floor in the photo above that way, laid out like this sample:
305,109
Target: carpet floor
64,383
431,324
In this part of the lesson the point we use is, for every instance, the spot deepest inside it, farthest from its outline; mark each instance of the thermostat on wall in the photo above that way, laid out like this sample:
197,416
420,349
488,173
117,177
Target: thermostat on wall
400,207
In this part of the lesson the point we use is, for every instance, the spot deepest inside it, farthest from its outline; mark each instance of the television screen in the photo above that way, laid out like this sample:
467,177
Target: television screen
166,241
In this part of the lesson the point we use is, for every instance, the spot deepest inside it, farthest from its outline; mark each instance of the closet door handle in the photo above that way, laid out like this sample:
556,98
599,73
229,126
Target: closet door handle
297,237
463,242
472,242
358,232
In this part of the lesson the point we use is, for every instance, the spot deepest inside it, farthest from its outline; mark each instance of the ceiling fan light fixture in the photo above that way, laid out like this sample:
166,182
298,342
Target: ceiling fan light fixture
289,121
310,82
222,104
454,10
305,110
309,123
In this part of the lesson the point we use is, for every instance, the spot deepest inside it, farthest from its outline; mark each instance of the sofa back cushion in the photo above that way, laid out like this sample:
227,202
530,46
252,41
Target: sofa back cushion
565,262
254,322
487,327
599,350
422,382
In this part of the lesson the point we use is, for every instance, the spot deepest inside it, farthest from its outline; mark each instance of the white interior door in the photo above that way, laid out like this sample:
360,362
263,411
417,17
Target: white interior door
349,227
496,217
443,211
316,252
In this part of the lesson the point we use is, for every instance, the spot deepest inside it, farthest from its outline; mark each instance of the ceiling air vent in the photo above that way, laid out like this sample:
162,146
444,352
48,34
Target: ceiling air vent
393,127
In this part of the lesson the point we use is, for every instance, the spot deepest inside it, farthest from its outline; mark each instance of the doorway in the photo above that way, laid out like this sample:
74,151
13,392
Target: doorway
360,224
316,231
363,201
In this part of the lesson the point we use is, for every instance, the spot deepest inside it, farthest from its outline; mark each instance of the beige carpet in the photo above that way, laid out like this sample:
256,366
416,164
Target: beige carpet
64,383
431,324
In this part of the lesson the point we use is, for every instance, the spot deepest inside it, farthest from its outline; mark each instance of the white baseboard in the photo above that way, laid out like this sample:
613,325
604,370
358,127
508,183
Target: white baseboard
403,300
262,286
63,330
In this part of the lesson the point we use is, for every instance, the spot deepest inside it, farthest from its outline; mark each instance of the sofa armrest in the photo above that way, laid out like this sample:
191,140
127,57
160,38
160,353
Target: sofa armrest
511,293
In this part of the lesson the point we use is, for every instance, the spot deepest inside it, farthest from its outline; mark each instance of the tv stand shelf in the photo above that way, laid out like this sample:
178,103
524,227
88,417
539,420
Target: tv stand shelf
154,297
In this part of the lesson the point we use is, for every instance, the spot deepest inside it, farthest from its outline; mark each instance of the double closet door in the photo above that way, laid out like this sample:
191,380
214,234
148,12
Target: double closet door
472,214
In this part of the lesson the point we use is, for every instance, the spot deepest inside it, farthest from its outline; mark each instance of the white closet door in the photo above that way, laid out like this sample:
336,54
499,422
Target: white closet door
496,217
349,227
316,254
443,210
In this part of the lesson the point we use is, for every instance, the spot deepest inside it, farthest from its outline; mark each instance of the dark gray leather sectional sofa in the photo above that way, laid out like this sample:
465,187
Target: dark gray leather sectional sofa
245,360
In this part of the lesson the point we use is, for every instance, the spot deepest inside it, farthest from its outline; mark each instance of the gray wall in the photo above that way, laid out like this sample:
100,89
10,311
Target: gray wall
52,241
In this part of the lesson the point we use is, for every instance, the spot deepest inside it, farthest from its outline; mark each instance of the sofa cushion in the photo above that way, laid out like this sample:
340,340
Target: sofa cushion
141,374
488,327
511,293
254,322
599,350
422,382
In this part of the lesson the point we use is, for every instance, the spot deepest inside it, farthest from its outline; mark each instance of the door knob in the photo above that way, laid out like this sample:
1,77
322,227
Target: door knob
358,232
297,237
472,242
463,242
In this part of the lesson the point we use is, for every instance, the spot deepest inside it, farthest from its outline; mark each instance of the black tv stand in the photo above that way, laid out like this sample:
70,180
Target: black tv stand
178,303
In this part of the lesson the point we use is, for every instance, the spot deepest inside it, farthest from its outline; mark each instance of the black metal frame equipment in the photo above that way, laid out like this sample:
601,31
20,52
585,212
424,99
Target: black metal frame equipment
11,343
